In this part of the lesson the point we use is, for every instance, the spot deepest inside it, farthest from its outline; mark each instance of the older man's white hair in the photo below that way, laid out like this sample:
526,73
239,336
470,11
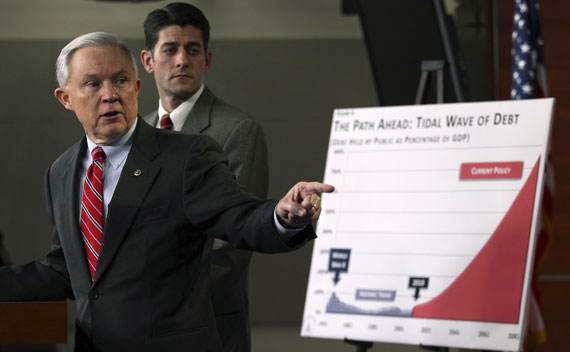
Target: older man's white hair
95,39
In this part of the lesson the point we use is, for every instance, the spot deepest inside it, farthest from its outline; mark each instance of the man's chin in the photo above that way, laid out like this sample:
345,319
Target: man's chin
109,134
183,93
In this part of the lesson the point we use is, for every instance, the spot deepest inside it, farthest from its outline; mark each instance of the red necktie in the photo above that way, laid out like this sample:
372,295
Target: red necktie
166,122
92,210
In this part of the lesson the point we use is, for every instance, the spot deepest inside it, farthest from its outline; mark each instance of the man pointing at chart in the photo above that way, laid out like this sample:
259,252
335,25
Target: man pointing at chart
134,211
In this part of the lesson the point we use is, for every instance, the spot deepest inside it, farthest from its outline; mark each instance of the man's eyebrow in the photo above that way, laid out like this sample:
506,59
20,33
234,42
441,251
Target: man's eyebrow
175,43
168,44
119,73
88,76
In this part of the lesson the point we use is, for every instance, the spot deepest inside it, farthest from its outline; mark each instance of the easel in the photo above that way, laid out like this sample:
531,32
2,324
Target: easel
434,348
430,67
361,346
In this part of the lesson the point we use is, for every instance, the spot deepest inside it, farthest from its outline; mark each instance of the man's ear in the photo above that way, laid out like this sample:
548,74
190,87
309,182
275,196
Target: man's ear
63,97
146,59
138,85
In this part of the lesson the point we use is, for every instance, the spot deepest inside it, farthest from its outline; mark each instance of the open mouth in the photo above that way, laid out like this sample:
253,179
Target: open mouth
111,113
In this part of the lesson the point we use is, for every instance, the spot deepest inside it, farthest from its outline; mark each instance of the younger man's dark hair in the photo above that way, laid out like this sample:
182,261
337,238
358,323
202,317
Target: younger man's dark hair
175,14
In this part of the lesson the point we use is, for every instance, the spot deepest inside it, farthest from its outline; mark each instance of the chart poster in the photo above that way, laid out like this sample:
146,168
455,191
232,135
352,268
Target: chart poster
429,236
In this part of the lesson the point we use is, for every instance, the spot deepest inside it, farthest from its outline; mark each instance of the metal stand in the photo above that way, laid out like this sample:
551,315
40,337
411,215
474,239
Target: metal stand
361,346
430,67
434,348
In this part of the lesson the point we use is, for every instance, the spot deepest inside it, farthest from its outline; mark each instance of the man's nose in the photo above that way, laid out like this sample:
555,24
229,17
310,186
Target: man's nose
182,59
109,92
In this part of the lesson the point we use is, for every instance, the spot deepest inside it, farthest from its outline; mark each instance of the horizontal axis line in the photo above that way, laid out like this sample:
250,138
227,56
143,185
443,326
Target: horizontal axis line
415,254
415,233
429,191
423,212
322,271
398,295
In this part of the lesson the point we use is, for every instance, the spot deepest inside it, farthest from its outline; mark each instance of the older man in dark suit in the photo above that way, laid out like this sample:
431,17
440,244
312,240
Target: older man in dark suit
177,55
134,209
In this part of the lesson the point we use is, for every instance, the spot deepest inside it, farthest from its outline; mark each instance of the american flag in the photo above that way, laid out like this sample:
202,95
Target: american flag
529,77
529,81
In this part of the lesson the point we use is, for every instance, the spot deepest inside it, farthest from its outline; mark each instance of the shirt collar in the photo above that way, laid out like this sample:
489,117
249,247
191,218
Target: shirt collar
179,114
116,153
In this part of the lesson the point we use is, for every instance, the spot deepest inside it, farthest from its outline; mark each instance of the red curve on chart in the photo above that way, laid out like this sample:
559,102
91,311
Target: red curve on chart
491,286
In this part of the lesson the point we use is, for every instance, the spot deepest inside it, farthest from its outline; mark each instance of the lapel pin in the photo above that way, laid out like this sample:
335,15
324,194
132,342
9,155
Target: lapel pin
137,172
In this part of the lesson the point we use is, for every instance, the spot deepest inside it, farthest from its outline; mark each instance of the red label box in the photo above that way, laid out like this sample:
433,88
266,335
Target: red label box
491,170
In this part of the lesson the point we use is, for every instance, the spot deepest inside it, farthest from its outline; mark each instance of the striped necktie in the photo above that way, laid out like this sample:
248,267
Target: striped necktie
166,122
92,210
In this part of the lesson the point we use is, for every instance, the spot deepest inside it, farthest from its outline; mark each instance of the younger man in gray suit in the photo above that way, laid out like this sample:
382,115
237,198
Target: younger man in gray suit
178,57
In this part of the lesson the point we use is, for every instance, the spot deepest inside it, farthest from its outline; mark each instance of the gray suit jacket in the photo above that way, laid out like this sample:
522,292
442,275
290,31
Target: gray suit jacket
150,290
244,144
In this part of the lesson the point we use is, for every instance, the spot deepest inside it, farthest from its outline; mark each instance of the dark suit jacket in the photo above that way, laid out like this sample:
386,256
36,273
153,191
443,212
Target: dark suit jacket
244,144
151,288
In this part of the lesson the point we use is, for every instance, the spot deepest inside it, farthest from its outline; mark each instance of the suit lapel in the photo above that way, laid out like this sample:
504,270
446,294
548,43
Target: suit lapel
136,179
152,118
68,193
199,118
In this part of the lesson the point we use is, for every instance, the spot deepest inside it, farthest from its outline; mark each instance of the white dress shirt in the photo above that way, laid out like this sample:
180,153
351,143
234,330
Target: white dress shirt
180,113
115,157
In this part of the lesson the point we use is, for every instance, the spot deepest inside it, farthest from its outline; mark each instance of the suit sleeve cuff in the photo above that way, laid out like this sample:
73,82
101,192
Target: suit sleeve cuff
285,233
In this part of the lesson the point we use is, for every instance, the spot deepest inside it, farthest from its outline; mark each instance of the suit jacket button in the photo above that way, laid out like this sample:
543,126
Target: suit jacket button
93,295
